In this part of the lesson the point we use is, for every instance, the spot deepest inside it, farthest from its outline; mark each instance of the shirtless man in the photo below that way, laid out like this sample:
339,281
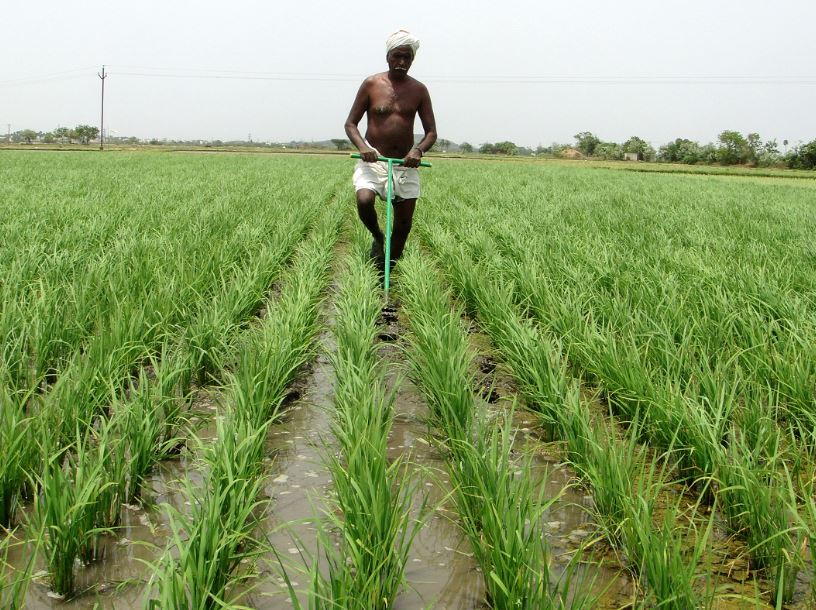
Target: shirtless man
391,101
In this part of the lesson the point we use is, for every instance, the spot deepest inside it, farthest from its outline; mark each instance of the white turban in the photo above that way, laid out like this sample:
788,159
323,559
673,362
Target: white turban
401,38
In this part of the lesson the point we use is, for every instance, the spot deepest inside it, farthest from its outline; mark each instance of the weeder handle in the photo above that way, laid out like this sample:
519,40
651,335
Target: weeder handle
387,159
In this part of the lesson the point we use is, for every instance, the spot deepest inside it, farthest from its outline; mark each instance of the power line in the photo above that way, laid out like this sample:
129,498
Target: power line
551,79
530,80
64,75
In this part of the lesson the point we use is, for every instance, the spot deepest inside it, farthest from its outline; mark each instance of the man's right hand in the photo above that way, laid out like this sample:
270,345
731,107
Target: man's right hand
369,155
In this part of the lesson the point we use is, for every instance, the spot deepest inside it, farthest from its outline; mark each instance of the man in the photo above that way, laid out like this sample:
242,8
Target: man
391,100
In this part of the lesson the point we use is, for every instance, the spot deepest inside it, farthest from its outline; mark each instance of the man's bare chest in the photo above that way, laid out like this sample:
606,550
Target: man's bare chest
385,100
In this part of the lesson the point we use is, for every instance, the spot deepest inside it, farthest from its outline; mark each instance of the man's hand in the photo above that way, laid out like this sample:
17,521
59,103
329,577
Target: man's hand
369,155
413,158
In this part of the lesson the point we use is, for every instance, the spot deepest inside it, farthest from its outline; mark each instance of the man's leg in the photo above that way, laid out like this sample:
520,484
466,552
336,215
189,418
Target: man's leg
403,216
368,213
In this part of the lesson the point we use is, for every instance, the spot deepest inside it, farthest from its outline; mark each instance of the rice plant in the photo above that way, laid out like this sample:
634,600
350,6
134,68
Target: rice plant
213,539
18,440
66,510
373,506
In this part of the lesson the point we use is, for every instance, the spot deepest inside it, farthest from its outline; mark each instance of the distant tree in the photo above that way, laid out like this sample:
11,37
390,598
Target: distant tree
466,147
639,146
709,153
62,134
769,154
803,156
442,144
505,148
754,147
487,149
86,133
586,142
29,135
341,143
733,148
609,151
48,138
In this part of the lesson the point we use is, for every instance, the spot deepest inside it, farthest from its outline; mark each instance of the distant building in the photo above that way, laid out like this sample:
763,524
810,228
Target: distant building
631,156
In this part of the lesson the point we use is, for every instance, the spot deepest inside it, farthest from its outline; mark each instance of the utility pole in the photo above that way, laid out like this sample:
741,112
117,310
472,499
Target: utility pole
102,77
8,134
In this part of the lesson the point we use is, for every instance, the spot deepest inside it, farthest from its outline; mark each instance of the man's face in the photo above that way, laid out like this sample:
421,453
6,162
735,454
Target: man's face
400,60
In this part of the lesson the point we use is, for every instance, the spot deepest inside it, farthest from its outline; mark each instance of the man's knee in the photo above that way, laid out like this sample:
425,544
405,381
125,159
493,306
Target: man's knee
366,198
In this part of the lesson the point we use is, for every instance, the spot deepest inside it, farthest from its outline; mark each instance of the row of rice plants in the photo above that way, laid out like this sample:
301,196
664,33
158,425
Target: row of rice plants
693,280
147,410
494,492
630,392
89,387
211,541
371,508
155,257
610,467
758,504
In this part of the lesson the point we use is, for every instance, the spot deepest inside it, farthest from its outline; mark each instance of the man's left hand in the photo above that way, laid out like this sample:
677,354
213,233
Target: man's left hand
413,158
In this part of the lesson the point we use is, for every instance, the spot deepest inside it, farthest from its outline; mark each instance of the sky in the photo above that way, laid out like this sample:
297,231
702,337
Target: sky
533,72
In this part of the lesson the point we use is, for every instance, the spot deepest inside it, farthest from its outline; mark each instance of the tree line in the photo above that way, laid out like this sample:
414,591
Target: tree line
82,134
731,148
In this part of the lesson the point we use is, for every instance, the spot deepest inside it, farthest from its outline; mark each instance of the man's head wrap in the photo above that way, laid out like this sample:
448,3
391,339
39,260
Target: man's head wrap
401,38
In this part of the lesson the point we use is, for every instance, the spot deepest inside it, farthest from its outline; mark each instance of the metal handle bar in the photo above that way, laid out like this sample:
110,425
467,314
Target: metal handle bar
393,161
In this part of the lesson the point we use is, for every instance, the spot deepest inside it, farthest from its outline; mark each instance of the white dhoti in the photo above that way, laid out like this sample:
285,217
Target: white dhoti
374,176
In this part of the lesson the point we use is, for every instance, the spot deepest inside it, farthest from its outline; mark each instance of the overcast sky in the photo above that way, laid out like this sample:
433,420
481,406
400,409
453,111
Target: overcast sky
531,71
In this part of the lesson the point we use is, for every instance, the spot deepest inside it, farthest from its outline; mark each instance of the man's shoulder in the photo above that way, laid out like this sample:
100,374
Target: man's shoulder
417,84
375,77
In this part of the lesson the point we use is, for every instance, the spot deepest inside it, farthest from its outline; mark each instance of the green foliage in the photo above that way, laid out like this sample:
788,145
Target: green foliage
499,148
803,156
85,133
733,149
586,142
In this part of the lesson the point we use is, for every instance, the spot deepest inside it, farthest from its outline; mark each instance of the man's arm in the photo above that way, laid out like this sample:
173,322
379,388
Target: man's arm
358,109
426,115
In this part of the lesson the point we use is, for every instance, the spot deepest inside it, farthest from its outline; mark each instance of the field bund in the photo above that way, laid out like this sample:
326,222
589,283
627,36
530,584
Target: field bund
590,388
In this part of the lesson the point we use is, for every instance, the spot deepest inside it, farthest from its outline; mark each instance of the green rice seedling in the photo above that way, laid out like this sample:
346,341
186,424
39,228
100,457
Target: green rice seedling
535,361
108,447
18,441
502,516
610,467
495,498
752,496
212,540
439,356
658,552
141,427
170,391
64,511
374,497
